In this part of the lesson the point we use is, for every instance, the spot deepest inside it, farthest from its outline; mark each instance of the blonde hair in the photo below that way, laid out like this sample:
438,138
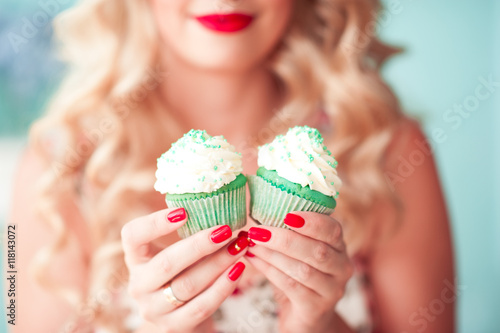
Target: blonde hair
104,126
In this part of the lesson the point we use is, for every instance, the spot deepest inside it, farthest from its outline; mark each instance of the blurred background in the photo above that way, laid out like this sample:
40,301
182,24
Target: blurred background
451,48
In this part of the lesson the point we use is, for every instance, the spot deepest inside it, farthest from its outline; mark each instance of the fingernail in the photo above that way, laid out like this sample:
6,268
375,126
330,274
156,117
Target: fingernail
237,246
236,271
259,234
245,234
250,254
294,221
221,234
177,215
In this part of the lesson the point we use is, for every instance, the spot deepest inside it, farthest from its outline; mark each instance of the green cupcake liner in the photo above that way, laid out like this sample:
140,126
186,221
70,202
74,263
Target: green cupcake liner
270,204
224,208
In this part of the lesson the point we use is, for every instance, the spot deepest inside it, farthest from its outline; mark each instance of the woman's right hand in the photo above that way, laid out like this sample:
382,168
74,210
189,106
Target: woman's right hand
200,270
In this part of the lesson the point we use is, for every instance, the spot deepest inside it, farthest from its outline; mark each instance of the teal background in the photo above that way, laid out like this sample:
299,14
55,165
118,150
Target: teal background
448,43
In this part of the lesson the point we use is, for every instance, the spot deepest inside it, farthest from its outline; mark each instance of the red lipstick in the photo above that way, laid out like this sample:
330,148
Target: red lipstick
225,22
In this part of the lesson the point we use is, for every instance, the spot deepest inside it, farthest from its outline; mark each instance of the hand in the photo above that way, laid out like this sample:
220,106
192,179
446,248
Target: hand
199,269
309,267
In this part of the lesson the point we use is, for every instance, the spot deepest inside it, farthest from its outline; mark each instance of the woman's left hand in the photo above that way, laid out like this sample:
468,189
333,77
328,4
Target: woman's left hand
310,266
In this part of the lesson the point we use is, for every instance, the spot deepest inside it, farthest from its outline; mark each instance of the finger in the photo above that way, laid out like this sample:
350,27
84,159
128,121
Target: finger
293,290
205,304
137,234
176,258
317,226
313,252
301,272
193,281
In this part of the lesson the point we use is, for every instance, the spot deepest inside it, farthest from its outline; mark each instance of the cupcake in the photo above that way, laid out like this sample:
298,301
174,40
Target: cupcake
296,172
202,174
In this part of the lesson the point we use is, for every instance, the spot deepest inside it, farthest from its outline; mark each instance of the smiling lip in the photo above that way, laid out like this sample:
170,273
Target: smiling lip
225,22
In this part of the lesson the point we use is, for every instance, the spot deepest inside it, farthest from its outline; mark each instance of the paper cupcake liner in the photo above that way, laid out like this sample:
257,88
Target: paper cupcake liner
224,208
269,204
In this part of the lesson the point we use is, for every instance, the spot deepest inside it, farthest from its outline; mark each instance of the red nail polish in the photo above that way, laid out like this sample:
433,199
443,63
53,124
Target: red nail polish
221,234
236,271
250,254
237,246
245,234
177,215
294,221
259,234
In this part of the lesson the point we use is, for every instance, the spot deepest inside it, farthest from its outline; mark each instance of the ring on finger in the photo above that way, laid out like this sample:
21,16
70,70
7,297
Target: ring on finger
169,293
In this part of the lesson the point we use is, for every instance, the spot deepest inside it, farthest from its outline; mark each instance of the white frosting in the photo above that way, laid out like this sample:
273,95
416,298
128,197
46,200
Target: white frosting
300,157
197,163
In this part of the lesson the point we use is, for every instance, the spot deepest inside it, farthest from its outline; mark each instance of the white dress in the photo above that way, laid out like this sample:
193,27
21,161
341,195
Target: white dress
254,310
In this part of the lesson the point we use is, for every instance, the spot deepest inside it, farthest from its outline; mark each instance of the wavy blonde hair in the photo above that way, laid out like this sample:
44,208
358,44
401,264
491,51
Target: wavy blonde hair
106,126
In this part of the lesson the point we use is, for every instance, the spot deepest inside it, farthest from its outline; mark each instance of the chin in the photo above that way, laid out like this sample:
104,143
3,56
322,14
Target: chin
224,57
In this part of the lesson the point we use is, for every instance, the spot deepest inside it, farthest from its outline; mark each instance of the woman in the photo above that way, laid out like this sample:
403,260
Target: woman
144,72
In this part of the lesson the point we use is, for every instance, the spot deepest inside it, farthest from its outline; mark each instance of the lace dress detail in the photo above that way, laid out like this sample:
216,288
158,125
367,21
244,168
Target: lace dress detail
254,309
251,310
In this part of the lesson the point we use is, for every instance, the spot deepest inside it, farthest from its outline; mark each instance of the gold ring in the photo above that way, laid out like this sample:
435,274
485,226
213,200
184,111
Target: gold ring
169,293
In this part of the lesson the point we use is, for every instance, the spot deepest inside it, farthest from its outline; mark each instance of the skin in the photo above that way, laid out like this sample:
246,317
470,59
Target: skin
309,265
